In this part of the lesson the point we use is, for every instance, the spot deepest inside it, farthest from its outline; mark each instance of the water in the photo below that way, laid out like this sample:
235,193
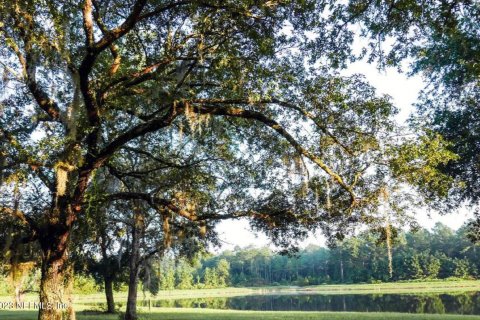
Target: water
456,303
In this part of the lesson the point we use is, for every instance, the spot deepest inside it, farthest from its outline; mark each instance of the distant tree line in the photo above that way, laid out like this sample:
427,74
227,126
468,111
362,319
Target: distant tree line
424,254
437,254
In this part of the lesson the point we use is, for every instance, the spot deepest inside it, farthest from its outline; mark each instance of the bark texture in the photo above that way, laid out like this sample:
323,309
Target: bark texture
109,295
52,297
108,272
57,274
137,228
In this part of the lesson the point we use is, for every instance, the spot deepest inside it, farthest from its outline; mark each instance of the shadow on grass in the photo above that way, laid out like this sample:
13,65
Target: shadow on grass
18,314
33,315
205,314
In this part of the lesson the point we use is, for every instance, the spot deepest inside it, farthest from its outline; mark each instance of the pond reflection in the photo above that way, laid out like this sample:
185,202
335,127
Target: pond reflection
461,303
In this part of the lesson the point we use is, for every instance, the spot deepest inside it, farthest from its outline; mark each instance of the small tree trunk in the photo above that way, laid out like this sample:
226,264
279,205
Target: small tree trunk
138,225
131,313
18,295
108,273
109,295
341,271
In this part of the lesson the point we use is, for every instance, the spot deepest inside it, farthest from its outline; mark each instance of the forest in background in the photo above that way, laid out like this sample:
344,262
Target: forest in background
439,253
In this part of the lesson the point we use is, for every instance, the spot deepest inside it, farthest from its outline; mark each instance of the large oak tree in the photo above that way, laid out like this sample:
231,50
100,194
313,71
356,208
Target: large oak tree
87,85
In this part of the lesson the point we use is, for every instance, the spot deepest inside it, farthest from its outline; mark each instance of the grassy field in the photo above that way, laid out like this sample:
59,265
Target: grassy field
177,294
85,309
202,314
397,287
394,287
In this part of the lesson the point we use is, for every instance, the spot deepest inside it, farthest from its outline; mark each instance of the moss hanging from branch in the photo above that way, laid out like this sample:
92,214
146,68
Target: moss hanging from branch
196,121
384,196
388,234
167,232
62,169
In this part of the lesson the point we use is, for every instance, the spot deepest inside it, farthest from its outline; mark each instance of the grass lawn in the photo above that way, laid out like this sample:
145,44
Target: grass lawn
205,314
435,286
176,294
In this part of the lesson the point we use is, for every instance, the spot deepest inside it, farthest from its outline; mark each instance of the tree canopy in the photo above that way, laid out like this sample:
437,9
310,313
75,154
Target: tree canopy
187,113
440,40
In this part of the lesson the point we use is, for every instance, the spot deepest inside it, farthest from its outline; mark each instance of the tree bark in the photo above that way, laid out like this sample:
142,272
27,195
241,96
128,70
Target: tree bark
137,228
18,295
70,312
108,273
52,305
109,295
56,272
131,313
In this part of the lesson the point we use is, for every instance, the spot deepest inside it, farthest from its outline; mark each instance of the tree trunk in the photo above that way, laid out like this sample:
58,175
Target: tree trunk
138,224
109,295
69,292
131,313
52,305
55,299
18,295
341,271
388,232
56,283
108,273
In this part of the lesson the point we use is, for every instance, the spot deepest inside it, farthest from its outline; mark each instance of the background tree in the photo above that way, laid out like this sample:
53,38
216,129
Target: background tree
441,40
416,255
19,257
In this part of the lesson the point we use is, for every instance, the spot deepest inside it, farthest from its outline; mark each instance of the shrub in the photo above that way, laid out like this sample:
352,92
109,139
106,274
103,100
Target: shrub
85,285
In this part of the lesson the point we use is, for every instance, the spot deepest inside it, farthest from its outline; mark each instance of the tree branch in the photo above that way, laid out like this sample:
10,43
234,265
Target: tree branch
113,48
121,30
258,116
135,132
28,64
88,23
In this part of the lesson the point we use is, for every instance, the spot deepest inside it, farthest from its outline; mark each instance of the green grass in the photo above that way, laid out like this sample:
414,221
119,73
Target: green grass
175,294
203,314
436,286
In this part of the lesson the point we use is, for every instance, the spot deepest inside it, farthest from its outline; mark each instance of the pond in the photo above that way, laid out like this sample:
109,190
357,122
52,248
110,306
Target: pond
457,303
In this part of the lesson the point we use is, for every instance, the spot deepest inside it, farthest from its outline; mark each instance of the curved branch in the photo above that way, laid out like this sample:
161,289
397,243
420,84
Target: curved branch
258,116
161,203
28,63
135,132
121,30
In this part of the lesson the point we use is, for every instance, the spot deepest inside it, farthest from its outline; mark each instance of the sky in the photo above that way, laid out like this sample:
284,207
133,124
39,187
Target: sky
404,91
